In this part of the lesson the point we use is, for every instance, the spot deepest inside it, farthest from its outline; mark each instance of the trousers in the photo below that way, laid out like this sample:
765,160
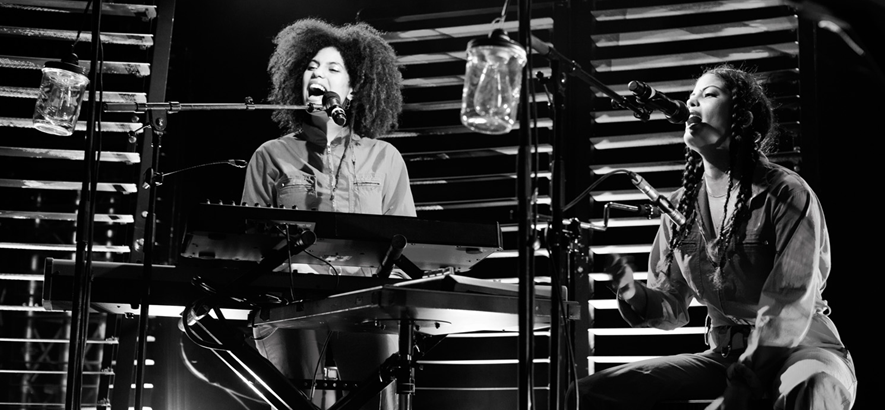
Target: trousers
303,354
811,378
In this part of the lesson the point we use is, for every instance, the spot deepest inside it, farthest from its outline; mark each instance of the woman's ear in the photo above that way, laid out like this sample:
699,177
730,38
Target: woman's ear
349,98
748,119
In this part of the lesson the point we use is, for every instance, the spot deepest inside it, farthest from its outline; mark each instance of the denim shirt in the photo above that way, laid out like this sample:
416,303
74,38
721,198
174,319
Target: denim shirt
352,174
775,272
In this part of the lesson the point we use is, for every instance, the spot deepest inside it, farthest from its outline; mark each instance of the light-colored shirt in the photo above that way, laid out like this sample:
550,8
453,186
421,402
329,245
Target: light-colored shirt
357,175
350,174
775,272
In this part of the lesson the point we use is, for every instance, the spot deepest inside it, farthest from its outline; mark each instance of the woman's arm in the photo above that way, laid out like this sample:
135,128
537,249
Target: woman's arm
663,302
802,262
397,196
258,187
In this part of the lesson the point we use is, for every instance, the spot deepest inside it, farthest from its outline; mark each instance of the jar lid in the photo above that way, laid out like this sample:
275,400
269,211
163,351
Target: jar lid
498,38
70,63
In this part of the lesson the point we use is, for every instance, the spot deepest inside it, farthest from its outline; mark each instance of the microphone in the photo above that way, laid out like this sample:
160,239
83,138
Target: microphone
332,104
676,111
657,199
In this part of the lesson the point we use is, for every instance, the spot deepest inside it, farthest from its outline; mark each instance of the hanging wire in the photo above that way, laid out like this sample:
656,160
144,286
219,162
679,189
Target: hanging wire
503,17
82,23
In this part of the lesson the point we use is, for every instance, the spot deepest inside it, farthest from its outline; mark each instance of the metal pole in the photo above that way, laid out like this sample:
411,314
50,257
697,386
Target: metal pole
525,243
85,218
555,237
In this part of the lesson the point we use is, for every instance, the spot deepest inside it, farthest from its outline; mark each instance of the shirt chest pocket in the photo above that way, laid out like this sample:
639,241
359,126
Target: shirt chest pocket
754,257
367,194
296,190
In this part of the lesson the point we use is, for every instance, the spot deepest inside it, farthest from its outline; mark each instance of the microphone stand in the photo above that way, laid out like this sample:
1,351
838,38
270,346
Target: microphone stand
85,218
152,179
525,267
561,65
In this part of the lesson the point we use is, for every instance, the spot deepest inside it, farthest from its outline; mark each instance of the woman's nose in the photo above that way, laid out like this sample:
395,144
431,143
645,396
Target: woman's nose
692,102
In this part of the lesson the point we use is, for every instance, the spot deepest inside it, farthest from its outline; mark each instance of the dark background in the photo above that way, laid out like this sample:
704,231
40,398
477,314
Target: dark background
220,50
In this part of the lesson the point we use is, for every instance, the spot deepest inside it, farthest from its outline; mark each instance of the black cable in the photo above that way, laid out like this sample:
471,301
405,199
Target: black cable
334,270
82,23
313,382
592,186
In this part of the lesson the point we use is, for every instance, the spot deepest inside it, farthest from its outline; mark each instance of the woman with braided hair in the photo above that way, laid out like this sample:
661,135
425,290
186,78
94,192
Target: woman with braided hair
331,163
755,251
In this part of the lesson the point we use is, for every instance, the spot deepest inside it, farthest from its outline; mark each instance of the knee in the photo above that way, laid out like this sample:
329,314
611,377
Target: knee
820,391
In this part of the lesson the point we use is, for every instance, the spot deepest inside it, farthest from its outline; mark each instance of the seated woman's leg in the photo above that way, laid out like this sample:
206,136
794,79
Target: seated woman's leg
642,384
294,352
359,355
814,378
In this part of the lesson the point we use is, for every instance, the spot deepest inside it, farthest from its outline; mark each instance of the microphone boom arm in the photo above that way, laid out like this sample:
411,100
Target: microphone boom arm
572,68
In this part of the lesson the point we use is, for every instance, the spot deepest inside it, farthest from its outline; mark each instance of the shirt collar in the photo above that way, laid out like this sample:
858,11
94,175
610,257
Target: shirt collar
316,137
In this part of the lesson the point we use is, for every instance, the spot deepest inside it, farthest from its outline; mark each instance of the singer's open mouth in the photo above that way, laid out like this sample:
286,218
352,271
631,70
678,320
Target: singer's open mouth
315,90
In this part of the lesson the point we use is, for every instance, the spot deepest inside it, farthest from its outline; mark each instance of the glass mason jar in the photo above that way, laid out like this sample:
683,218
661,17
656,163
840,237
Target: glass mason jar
490,99
60,96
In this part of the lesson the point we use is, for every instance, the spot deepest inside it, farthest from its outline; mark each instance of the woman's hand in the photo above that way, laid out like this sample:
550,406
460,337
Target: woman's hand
743,391
621,271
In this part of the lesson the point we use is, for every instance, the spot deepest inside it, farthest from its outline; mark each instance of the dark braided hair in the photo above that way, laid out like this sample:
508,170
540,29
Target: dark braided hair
752,130
370,62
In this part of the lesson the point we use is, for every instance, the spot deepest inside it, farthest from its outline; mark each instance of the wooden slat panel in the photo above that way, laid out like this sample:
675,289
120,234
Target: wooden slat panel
627,222
124,157
621,116
108,67
628,195
451,129
670,10
472,177
65,216
639,140
66,185
685,85
698,58
640,167
696,32
142,11
143,41
448,80
466,205
475,30
108,96
53,247
81,125
456,104
474,152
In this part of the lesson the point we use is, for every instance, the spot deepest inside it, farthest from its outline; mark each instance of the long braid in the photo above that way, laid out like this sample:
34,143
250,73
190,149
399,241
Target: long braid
744,154
752,131
691,177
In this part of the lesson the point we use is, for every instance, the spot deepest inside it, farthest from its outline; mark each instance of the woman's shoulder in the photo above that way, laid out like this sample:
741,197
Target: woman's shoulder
377,145
280,143
778,178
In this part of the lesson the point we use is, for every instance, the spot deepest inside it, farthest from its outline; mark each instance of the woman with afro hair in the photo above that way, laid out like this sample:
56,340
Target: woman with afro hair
755,251
324,165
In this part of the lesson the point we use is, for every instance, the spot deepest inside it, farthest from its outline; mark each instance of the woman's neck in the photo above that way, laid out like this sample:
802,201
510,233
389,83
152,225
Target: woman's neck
332,130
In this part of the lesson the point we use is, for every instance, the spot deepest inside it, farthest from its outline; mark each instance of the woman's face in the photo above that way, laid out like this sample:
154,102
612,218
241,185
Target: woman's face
711,102
326,72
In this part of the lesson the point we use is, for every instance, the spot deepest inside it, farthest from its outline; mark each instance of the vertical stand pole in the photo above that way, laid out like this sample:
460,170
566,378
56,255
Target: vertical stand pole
83,255
555,239
405,379
525,243
158,125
